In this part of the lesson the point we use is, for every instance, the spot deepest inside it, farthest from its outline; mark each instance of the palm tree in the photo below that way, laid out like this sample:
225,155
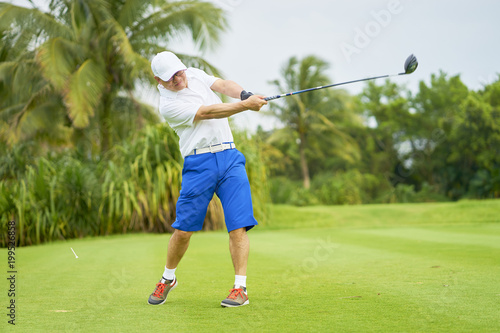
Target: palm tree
77,65
310,118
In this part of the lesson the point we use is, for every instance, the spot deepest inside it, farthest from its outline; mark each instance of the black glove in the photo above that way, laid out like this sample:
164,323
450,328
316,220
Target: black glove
245,94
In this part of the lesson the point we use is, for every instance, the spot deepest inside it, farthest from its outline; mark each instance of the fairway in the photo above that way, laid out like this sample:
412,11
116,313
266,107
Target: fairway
374,268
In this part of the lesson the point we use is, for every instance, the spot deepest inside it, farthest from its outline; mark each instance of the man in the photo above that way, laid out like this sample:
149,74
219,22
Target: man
211,165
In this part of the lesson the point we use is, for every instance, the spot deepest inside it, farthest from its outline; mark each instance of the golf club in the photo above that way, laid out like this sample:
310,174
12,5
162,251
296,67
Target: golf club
410,66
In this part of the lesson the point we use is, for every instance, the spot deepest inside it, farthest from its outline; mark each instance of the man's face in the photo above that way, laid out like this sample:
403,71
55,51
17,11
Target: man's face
176,83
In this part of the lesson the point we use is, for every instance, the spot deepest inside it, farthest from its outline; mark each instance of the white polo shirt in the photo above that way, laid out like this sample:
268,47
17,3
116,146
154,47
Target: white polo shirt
179,110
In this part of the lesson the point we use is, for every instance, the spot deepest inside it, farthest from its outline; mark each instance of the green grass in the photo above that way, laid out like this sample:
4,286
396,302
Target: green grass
376,268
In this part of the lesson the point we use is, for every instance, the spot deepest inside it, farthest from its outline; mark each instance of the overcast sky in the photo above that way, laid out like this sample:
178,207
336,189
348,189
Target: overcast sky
358,38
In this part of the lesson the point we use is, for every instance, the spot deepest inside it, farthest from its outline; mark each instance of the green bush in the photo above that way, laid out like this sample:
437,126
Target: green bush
14,160
140,183
429,193
134,188
341,188
485,184
54,199
78,194
281,189
338,189
303,197
348,188
285,191
404,193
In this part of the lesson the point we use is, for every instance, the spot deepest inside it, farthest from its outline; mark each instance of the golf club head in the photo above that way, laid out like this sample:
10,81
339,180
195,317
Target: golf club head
411,64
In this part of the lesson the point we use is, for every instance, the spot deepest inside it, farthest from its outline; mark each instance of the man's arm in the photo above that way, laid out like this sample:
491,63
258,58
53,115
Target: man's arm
224,110
227,87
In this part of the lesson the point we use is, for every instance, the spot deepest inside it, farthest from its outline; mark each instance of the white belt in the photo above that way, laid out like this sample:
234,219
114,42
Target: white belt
213,148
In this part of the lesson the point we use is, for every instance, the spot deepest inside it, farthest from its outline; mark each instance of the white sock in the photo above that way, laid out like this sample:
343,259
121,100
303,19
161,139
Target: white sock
240,281
169,274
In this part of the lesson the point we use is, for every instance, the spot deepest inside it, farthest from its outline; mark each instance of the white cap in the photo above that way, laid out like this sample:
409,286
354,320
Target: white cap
165,65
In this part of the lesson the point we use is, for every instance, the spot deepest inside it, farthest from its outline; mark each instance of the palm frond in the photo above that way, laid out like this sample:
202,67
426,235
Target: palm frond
99,10
134,64
58,58
31,19
202,20
121,44
7,69
129,11
86,86
11,111
35,99
45,124
15,44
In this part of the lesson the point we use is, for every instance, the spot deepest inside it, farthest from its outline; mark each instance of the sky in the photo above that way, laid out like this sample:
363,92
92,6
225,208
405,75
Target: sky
358,38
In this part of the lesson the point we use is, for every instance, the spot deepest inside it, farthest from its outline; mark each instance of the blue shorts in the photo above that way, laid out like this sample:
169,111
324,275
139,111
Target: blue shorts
222,173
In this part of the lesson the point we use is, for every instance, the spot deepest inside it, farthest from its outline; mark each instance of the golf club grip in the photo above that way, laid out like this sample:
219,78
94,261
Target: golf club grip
270,98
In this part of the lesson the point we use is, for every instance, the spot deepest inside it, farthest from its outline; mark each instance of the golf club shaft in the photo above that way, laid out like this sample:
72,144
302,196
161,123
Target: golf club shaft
270,98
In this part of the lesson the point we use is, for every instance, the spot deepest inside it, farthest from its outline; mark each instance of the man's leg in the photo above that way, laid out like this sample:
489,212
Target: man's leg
235,195
177,246
239,246
199,179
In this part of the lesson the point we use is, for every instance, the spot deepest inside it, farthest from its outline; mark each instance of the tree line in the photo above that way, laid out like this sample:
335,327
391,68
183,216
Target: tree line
387,144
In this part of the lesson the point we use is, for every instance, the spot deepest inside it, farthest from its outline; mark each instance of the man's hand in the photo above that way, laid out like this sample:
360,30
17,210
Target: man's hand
254,102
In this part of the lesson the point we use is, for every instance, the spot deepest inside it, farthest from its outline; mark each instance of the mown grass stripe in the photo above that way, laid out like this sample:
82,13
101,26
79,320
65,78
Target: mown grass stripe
438,236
